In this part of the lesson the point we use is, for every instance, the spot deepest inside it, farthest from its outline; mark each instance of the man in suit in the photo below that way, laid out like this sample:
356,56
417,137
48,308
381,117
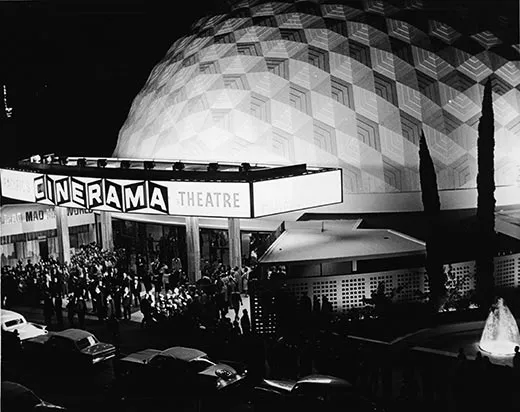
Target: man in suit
127,303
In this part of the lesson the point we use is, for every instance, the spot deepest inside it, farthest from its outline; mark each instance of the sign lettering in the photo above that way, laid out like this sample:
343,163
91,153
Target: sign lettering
113,194
39,188
77,189
95,194
158,197
134,197
62,191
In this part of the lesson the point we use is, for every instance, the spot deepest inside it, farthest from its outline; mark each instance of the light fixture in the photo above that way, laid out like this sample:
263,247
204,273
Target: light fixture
82,162
213,167
149,165
61,160
35,159
47,158
244,167
125,164
101,162
178,166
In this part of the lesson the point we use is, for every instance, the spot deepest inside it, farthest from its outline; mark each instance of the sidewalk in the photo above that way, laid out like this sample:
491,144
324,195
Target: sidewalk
135,317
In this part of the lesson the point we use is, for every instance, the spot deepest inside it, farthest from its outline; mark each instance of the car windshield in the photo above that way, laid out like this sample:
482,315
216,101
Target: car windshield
14,322
199,364
86,342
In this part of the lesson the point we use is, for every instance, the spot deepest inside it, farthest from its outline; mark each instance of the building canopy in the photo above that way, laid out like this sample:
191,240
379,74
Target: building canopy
322,241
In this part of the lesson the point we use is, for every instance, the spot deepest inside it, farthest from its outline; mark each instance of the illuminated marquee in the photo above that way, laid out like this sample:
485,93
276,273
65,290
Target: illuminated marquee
177,198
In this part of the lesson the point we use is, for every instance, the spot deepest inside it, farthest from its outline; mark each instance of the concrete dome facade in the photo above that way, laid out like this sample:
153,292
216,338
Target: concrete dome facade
331,85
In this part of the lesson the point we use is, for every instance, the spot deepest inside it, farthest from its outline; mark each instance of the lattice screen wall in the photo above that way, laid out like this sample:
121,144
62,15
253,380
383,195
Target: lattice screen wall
263,320
347,291
507,271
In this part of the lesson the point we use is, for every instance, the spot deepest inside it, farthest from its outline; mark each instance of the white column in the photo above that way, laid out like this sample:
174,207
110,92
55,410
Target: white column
235,243
193,248
62,229
92,233
107,237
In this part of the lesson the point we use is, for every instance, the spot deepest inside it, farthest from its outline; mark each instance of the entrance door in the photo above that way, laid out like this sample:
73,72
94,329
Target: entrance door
44,249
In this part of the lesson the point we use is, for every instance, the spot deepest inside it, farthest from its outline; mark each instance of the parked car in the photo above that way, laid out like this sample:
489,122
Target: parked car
185,370
18,398
311,393
73,347
13,321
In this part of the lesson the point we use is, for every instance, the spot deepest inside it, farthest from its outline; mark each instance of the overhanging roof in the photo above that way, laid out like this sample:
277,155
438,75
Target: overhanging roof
508,222
338,241
254,225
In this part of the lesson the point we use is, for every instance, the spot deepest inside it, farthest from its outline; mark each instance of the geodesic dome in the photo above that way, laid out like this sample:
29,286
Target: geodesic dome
344,83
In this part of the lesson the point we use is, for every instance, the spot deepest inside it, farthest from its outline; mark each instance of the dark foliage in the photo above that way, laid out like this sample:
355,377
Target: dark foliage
486,201
432,208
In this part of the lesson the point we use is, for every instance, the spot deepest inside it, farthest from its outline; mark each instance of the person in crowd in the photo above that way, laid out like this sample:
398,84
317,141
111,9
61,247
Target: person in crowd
71,309
81,309
125,281
127,303
99,303
236,301
58,309
516,359
48,308
245,280
236,329
110,308
146,310
245,322
135,290
316,306
117,299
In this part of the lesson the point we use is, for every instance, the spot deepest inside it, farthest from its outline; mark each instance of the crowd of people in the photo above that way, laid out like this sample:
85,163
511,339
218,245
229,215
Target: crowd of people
93,275
101,282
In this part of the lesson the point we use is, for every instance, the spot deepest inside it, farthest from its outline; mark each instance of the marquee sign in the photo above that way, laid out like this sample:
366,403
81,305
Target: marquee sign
28,218
180,198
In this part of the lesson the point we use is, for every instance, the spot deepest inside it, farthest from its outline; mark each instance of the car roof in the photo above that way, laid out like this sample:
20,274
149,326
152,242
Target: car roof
9,314
73,334
182,353
324,380
13,389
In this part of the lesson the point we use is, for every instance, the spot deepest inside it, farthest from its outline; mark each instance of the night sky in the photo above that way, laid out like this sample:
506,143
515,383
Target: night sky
73,68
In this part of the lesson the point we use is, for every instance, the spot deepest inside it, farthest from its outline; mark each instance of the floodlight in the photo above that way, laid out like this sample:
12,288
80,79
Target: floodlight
213,167
35,159
125,164
101,162
82,162
178,166
149,165
244,167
